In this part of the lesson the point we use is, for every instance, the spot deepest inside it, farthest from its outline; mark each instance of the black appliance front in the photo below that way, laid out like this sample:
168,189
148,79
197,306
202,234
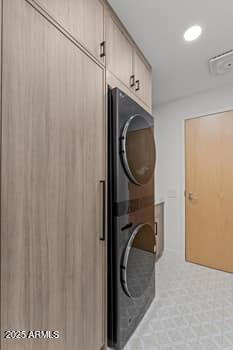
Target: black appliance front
131,234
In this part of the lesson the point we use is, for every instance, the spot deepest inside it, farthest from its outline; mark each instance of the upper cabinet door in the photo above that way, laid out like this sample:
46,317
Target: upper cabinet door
119,51
83,19
143,79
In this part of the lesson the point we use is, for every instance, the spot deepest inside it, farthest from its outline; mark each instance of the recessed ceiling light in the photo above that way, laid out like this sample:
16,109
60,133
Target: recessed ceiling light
192,33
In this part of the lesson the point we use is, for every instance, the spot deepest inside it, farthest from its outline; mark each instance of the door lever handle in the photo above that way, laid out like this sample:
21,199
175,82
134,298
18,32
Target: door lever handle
191,196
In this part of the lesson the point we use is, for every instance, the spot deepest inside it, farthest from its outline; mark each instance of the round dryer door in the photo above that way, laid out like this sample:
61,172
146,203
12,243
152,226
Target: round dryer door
138,150
138,261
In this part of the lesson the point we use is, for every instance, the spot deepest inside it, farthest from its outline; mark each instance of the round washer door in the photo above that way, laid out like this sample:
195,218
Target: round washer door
138,261
138,150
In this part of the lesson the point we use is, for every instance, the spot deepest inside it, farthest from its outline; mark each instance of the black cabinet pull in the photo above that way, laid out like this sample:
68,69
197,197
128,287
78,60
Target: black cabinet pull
156,228
102,49
137,85
132,81
103,183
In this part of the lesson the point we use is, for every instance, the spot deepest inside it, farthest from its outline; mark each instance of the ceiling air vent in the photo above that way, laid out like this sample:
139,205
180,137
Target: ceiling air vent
221,64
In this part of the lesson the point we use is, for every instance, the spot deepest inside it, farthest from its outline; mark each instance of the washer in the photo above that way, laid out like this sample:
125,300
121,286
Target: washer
138,261
131,232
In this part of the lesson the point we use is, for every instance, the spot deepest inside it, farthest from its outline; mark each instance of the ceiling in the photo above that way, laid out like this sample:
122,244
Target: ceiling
180,68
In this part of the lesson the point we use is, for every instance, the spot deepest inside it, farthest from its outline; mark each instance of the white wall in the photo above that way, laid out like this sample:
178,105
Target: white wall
170,166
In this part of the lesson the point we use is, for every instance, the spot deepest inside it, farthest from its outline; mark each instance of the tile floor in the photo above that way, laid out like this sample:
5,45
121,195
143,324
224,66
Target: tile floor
193,309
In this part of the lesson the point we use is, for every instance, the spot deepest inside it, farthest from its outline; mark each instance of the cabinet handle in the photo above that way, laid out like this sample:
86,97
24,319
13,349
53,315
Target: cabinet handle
137,85
132,81
102,49
156,228
103,184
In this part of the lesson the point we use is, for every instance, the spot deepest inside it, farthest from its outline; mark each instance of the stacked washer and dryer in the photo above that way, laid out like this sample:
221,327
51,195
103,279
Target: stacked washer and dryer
131,223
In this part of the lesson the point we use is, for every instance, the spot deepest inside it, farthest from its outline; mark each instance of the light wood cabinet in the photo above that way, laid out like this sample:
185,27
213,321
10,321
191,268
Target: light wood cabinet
83,19
113,82
125,62
119,51
95,25
52,162
143,79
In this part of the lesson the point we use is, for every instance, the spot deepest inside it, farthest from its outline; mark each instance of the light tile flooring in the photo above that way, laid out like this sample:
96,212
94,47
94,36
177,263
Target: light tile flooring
193,309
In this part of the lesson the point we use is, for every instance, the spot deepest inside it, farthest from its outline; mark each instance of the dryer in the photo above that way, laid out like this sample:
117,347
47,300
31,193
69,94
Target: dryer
131,231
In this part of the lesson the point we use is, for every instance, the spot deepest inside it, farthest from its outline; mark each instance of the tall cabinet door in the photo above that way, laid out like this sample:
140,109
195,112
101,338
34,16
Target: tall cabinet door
83,19
52,161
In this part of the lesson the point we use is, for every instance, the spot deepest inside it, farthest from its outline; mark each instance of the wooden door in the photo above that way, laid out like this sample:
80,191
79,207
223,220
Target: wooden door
209,191
83,19
143,79
119,51
52,161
